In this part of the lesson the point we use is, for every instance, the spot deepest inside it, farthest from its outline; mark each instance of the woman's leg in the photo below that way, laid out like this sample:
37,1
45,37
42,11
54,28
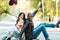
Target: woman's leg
47,25
37,31
4,38
6,35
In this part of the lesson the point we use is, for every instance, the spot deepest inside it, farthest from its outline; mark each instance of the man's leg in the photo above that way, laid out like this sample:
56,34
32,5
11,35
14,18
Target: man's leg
44,32
37,31
48,25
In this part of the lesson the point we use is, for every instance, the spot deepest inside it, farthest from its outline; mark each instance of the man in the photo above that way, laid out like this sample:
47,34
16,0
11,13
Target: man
29,26
30,32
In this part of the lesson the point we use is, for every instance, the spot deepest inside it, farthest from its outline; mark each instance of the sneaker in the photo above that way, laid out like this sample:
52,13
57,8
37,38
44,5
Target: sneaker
47,39
35,39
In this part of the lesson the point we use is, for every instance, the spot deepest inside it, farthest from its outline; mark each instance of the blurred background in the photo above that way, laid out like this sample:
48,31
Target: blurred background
50,12
50,9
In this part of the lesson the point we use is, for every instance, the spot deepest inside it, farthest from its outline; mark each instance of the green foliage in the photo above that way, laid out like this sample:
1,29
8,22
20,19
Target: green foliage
34,3
3,15
5,8
59,8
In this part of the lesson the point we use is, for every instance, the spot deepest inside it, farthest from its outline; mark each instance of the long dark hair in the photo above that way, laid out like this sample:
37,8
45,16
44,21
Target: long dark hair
57,25
19,16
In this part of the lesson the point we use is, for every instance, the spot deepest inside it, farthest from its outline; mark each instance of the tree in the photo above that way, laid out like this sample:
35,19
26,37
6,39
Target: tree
5,8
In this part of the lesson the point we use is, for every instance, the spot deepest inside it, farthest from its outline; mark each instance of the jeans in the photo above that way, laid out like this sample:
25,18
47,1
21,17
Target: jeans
48,25
4,38
38,30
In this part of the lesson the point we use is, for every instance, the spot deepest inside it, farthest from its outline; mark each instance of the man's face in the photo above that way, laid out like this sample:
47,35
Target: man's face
30,17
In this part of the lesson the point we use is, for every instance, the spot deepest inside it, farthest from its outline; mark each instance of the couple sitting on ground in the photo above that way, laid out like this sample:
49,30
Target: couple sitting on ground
26,26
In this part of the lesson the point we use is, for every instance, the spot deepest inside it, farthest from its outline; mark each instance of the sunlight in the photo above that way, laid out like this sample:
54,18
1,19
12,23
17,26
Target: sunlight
23,5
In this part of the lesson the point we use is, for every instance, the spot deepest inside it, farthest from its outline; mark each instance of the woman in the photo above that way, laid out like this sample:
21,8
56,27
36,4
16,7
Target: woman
20,16
15,32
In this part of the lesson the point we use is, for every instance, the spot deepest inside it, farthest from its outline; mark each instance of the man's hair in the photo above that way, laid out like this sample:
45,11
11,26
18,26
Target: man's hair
29,14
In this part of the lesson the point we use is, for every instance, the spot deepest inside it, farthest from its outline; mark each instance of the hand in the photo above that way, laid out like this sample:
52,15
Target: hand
12,2
40,5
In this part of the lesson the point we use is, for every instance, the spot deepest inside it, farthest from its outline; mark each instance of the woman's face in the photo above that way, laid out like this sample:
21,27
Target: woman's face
21,16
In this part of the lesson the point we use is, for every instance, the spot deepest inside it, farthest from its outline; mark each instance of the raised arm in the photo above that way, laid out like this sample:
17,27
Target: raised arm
36,10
